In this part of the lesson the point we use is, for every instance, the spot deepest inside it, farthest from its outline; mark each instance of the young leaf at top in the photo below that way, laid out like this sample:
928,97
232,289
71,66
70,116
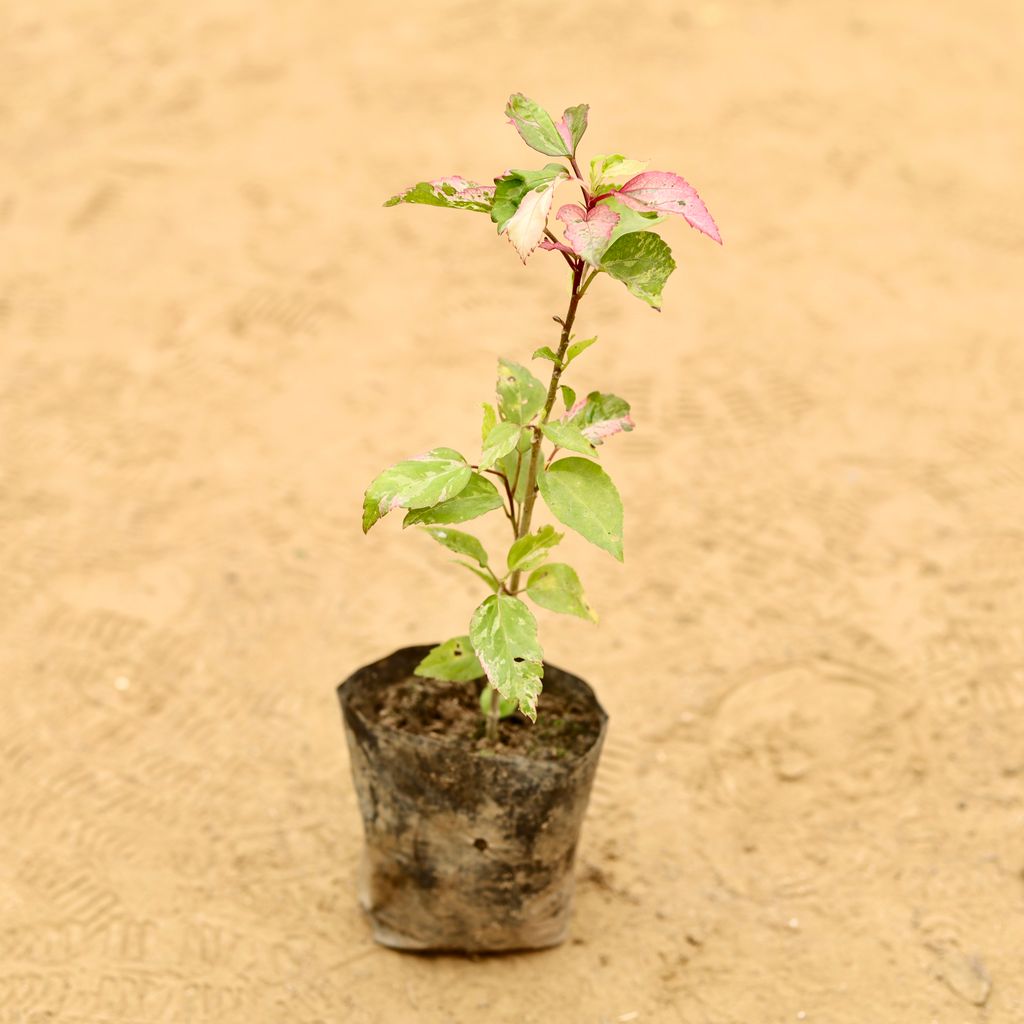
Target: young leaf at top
605,169
453,660
589,232
570,437
520,395
489,422
665,192
582,496
600,416
514,185
572,125
529,551
538,129
577,348
558,588
503,633
500,441
642,262
477,498
459,542
416,483
455,193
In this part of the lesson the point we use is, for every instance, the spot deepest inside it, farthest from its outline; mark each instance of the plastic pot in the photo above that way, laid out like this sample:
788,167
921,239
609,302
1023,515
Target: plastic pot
465,850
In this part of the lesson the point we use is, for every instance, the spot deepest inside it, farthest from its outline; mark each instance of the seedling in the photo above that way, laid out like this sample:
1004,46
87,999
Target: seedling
529,450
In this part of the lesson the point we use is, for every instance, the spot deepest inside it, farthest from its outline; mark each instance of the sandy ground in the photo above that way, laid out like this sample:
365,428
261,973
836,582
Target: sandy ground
811,806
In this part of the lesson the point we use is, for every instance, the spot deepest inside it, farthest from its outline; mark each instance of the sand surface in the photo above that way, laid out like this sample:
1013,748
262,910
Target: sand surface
811,806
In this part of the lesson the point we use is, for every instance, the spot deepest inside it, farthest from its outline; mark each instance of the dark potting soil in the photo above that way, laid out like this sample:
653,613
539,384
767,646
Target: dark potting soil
450,712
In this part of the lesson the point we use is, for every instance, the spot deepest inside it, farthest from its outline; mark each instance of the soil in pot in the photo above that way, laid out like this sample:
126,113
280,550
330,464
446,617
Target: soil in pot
469,847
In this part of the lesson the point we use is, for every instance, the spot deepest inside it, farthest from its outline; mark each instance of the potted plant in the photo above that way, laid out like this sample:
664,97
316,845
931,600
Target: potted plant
472,788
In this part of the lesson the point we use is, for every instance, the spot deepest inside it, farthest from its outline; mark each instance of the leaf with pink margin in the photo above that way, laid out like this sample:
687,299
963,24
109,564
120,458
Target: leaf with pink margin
665,192
555,246
589,232
572,125
454,192
600,416
526,228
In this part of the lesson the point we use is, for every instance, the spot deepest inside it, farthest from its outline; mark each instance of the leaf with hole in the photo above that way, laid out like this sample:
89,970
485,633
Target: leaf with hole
520,395
503,632
453,661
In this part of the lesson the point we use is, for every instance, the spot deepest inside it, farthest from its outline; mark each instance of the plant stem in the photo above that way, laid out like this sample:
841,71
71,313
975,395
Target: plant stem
530,498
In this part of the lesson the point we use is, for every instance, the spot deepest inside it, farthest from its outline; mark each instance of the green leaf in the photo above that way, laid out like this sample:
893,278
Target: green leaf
536,126
503,632
546,353
488,577
505,707
520,395
568,395
516,462
630,220
500,441
582,496
455,193
489,422
529,551
642,262
602,416
459,542
573,124
605,169
511,188
453,660
426,480
577,348
478,497
558,588
570,437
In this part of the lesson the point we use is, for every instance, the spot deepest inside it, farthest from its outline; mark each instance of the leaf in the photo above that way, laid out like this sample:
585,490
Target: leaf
492,582
526,227
453,660
558,588
577,348
490,420
510,465
426,480
630,220
568,395
512,186
589,232
503,632
665,192
601,416
536,126
545,353
572,125
642,262
500,441
570,437
477,498
605,169
455,193
582,496
520,395
459,542
505,707
528,552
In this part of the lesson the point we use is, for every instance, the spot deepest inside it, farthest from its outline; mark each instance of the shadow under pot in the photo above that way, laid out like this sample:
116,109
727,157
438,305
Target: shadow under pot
469,847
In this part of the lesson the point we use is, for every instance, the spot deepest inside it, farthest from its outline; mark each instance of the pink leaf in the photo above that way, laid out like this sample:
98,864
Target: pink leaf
588,231
665,192
555,247
465,189
597,432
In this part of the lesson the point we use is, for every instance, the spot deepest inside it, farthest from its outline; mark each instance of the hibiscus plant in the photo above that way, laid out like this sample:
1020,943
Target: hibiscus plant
529,449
